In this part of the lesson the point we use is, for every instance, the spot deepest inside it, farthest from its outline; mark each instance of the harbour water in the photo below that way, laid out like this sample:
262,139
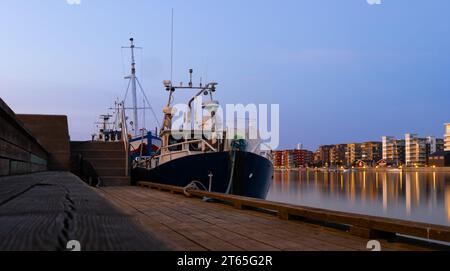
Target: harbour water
413,196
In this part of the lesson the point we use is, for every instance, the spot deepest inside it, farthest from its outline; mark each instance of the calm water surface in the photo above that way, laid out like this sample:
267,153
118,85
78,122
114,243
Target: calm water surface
414,196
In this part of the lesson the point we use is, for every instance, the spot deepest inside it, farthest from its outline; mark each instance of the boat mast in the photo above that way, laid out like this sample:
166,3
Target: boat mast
133,88
133,81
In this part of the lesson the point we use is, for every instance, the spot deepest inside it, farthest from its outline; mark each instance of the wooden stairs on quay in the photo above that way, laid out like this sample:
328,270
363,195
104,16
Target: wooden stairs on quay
108,159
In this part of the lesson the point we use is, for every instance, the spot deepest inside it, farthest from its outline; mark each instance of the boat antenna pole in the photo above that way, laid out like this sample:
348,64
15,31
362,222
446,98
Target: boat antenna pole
171,51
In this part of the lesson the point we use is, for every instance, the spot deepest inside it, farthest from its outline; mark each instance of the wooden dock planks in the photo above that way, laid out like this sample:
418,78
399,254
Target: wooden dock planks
214,226
44,211
361,225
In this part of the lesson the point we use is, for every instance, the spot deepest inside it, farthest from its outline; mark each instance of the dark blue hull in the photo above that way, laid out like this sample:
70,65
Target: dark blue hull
237,173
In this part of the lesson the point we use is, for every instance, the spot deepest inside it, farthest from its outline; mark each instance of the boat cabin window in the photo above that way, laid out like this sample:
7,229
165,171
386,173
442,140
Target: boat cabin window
178,146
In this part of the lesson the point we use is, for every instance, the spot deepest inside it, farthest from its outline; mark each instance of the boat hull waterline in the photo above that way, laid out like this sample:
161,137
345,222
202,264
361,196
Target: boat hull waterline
233,172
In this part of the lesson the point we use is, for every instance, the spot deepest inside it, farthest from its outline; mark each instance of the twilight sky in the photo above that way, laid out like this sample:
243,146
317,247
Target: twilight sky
341,70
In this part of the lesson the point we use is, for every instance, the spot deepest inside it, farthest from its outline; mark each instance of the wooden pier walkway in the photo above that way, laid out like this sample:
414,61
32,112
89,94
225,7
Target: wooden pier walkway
190,224
44,211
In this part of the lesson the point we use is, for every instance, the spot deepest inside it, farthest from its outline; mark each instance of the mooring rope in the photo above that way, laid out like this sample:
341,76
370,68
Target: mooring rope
193,186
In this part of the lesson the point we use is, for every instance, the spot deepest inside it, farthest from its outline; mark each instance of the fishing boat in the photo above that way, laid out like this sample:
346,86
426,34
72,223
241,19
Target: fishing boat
117,126
205,156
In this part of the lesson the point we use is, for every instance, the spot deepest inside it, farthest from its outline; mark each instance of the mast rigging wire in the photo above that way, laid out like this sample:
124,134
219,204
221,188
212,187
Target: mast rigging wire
126,93
148,102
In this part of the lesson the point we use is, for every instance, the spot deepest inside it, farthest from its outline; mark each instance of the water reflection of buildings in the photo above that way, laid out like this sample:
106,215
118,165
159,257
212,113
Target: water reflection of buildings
447,198
407,194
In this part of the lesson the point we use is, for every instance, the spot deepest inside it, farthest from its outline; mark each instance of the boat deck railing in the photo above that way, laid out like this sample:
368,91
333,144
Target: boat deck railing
185,148
185,145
